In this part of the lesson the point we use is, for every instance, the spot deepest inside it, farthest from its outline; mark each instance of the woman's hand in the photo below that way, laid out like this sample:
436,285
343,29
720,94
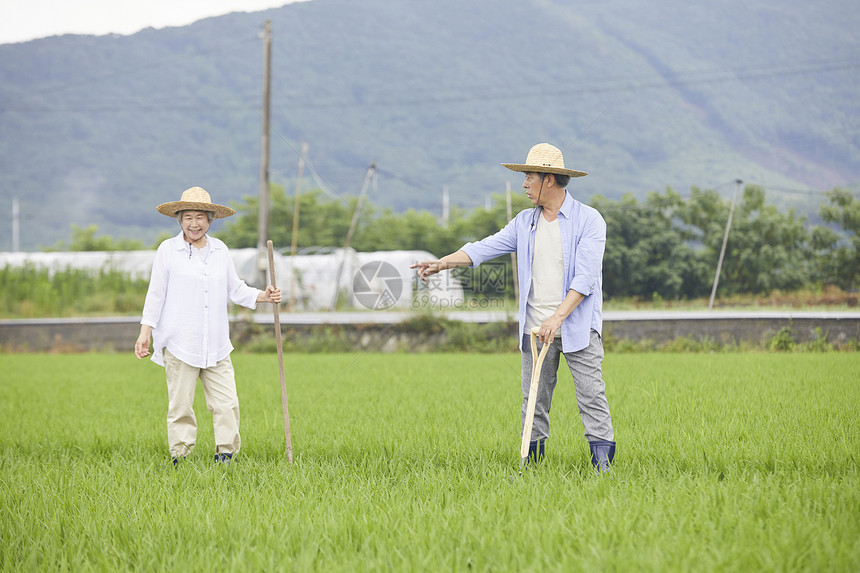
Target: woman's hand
141,346
271,294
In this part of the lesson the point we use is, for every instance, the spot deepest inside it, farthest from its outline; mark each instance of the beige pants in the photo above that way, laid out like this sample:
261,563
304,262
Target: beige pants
219,387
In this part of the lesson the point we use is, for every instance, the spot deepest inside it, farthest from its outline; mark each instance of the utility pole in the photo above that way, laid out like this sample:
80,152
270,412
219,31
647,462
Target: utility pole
508,207
738,184
16,226
446,206
295,242
263,214
371,173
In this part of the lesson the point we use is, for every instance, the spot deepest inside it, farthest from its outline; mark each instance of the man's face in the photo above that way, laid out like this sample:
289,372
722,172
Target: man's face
532,185
194,224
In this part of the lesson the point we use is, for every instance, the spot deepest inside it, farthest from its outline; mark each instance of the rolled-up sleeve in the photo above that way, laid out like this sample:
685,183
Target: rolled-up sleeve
501,243
589,255
238,291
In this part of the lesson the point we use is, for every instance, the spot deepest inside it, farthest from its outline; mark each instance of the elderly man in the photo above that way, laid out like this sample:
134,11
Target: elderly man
559,245
185,312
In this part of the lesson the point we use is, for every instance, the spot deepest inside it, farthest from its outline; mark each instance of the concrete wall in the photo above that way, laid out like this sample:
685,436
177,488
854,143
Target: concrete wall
754,329
119,334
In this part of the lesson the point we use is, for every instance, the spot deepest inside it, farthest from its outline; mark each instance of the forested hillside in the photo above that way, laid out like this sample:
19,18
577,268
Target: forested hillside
99,130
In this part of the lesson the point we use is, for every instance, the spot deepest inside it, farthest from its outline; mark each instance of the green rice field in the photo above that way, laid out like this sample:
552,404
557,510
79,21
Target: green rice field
725,462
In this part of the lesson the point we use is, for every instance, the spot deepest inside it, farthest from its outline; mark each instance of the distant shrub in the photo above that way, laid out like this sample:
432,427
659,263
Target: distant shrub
32,292
783,341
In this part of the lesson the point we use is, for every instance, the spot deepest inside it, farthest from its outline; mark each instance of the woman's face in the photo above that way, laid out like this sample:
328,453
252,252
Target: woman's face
194,224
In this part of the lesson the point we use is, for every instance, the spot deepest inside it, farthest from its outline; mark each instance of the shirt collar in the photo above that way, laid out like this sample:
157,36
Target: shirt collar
567,206
180,244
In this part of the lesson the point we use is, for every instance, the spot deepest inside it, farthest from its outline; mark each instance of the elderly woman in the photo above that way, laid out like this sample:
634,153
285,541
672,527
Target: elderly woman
185,313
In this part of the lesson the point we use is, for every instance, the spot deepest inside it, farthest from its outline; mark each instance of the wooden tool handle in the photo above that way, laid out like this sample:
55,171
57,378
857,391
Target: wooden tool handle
280,348
537,363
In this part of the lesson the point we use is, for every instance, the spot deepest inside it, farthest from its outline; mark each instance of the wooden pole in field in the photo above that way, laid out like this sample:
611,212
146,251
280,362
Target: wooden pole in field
355,216
295,242
263,207
287,437
738,184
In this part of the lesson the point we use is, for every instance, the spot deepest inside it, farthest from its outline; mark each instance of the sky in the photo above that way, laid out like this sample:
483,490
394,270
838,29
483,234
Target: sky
23,20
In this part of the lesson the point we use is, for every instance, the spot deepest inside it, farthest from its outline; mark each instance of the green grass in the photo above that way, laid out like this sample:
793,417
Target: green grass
726,462
31,292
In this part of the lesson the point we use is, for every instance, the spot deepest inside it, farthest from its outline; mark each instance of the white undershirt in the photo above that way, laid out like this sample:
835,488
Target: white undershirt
546,292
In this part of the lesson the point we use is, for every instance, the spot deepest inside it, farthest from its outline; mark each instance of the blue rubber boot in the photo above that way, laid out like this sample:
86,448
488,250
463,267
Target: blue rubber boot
602,454
536,451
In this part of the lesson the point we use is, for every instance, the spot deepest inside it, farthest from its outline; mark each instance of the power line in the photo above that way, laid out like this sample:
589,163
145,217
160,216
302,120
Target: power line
412,183
797,191
318,177
612,85
148,107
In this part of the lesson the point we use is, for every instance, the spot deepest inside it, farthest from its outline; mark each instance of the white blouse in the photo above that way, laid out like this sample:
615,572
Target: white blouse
186,304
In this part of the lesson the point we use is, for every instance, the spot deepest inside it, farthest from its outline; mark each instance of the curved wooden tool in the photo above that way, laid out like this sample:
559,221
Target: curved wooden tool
537,362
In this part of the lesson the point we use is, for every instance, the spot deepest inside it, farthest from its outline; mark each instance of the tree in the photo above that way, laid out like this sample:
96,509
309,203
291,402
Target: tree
647,253
321,224
767,250
663,247
838,255
84,239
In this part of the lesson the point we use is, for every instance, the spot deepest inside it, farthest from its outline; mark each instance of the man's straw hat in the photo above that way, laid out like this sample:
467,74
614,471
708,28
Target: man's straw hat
195,199
544,158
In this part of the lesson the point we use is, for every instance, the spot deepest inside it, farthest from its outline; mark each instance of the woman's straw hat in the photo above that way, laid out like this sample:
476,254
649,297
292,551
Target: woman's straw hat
195,199
544,158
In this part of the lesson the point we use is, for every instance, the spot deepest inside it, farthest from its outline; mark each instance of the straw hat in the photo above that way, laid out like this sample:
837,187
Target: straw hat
195,199
544,158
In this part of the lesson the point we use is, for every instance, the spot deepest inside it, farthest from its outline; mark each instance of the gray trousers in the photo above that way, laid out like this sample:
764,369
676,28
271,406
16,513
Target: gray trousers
586,367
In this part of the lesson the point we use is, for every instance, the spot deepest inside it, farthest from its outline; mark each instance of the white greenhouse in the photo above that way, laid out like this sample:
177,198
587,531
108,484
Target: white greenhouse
374,281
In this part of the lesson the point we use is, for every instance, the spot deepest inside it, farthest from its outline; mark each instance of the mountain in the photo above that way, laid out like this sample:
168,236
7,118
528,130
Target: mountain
99,130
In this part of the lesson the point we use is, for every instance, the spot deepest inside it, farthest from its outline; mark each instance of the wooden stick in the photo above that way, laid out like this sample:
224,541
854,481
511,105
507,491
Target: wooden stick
275,309
537,363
